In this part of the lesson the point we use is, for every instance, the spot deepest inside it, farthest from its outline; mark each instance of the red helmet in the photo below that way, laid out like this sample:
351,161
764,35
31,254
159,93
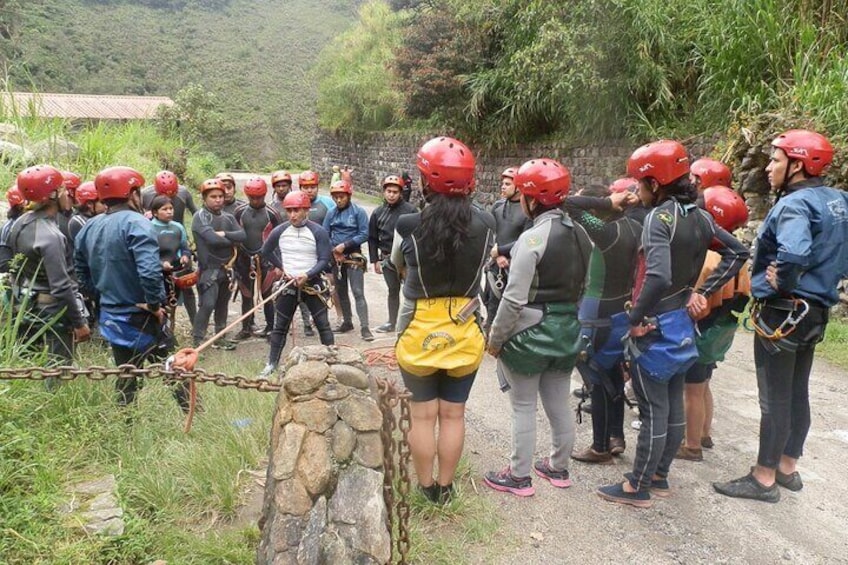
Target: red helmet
226,177
308,178
297,199
545,180
727,208
341,186
811,148
509,173
280,176
39,182
447,166
210,184
166,184
186,278
711,173
86,193
255,186
14,196
624,184
664,160
392,179
117,182
71,181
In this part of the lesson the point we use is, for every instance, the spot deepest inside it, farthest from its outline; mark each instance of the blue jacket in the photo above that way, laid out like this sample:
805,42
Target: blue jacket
806,234
348,226
117,254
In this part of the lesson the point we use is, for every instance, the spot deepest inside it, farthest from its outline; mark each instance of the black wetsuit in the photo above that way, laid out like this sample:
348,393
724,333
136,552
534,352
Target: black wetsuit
255,222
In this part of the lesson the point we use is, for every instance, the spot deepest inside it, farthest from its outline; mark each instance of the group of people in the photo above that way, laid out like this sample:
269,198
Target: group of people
636,281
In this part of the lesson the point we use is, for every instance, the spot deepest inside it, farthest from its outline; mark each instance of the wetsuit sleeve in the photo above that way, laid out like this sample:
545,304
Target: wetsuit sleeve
361,231
5,249
733,256
51,248
373,237
144,248
522,270
189,202
269,248
204,231
81,265
656,237
794,244
184,248
236,233
602,233
328,218
322,248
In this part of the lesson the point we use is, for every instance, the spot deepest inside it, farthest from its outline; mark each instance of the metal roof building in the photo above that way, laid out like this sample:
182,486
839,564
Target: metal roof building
84,106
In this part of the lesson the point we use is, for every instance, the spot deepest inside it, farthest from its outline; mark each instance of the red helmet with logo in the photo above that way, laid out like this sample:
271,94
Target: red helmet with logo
811,148
14,196
38,183
545,180
664,160
71,181
87,193
392,179
255,186
509,173
210,184
711,172
117,182
624,184
727,208
342,186
166,184
308,178
297,199
280,176
447,166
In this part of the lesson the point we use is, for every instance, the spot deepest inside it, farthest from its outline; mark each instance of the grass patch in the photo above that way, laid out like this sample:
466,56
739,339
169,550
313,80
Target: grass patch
834,348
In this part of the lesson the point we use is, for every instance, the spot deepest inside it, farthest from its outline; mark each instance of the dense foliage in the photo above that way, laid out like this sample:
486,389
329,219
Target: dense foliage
518,70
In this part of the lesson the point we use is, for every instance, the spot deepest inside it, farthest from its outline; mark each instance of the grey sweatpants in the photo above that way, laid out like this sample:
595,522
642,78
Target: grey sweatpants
553,388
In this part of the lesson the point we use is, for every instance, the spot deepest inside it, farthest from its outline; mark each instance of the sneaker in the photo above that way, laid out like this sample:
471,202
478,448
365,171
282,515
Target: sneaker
309,332
557,478
367,335
616,493
748,487
617,446
431,493
224,345
504,481
245,333
268,371
792,481
263,333
707,442
344,327
659,487
386,328
580,393
589,455
689,453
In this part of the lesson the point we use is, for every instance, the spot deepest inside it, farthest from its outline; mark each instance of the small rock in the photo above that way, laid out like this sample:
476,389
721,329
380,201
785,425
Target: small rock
305,377
315,414
369,450
350,376
288,450
314,465
344,440
291,497
332,391
360,412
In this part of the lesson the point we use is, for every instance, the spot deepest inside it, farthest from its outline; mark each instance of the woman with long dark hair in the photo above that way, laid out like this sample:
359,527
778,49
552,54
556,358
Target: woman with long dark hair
441,251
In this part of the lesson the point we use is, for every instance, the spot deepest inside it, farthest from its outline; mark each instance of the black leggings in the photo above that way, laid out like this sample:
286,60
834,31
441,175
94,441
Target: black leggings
127,388
607,412
285,308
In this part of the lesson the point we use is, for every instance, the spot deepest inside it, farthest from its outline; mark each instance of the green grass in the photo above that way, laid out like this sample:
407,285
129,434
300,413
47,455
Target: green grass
834,348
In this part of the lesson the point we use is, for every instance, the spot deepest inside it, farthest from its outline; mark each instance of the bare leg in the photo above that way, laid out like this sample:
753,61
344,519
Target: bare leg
708,411
422,438
694,401
451,439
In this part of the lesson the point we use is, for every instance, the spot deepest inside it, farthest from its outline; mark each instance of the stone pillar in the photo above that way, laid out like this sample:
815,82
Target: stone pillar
324,489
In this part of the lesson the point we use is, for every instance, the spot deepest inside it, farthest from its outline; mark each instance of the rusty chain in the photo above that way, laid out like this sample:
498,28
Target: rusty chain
397,510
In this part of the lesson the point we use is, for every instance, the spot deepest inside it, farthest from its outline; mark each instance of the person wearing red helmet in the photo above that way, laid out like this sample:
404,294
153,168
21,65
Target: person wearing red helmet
43,283
216,235
510,221
603,213
88,206
17,204
534,334
228,182
716,325
440,345
661,340
321,205
166,183
347,224
707,172
301,250
255,276
67,194
381,234
801,255
281,182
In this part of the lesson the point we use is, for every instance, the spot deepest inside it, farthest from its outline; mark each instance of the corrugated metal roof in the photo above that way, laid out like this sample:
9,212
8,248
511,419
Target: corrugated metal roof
94,106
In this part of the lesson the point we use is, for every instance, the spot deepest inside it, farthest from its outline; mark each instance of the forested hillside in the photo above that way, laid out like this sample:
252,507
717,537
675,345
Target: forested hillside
254,55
